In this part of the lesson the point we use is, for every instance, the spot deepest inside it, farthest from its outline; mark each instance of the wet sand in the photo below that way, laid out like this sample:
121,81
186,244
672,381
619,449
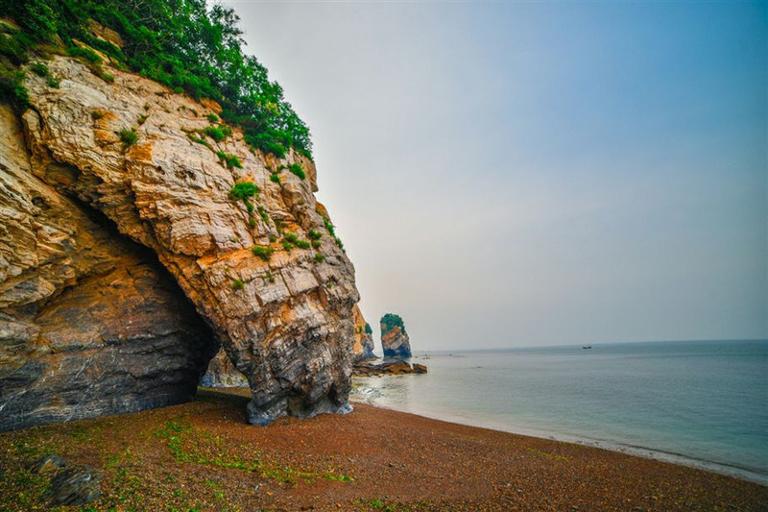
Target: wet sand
203,456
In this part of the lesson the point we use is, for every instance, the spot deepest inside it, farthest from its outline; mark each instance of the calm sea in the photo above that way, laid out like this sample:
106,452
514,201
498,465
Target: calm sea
699,403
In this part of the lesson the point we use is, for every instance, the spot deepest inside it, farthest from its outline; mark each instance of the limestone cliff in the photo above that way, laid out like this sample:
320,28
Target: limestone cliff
363,345
116,176
394,340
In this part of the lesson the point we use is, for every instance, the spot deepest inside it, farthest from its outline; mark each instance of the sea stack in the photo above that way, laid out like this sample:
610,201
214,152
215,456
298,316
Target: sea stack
394,339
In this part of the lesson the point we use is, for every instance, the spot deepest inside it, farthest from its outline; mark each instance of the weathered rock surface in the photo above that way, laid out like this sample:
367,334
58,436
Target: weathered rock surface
90,323
363,346
394,339
221,373
391,367
287,325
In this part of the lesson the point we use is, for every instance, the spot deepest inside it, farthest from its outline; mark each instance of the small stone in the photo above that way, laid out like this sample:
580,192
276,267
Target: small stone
75,486
48,464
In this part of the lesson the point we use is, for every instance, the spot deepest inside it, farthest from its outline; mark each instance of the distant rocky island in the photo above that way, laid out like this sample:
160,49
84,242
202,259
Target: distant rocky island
394,340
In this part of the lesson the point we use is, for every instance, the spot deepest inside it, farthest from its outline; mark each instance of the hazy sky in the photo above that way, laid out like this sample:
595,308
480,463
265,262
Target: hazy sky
511,174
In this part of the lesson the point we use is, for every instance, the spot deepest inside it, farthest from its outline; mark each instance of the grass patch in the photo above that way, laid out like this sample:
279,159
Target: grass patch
218,132
230,160
295,240
39,69
238,284
314,235
297,170
244,190
213,118
188,445
128,137
262,251
274,178
319,258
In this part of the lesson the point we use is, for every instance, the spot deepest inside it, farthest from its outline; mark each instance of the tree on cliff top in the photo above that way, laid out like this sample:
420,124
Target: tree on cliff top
183,44
390,321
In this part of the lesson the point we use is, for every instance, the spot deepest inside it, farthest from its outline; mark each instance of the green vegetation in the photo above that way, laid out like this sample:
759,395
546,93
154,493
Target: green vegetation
319,258
189,446
314,235
295,240
390,321
39,69
263,214
329,226
12,90
262,251
142,119
194,137
287,245
218,132
332,231
368,329
237,284
128,137
274,178
84,53
96,114
184,44
213,118
230,160
297,170
52,81
316,244
244,190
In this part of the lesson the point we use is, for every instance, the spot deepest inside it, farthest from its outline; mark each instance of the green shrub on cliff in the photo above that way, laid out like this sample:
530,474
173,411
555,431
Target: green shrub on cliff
243,190
128,137
218,132
297,170
262,251
186,45
230,160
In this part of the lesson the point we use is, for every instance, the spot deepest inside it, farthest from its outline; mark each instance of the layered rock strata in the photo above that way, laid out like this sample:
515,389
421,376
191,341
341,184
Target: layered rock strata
90,323
362,348
394,340
154,164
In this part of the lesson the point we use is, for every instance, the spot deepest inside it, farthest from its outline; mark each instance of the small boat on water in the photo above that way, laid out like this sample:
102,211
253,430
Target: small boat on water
586,347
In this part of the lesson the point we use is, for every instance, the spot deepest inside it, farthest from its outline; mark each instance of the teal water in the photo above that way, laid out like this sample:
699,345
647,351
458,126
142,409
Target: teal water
700,403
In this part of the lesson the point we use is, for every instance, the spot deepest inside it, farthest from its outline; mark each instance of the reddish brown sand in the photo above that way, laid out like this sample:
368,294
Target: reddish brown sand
203,456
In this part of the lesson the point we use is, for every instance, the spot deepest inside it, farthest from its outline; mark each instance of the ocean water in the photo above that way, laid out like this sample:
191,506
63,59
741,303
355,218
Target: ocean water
698,403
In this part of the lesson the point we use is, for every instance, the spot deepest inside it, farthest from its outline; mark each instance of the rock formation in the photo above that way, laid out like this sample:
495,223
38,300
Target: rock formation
362,349
394,339
92,323
221,373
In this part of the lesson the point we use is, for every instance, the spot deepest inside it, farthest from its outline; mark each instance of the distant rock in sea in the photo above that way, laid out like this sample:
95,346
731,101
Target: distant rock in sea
394,339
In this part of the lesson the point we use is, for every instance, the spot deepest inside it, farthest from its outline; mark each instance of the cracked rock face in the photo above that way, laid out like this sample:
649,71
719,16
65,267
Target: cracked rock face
362,348
90,323
285,322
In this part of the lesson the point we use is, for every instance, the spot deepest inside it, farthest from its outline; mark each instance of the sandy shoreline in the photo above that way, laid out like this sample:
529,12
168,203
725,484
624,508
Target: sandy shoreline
637,451
371,459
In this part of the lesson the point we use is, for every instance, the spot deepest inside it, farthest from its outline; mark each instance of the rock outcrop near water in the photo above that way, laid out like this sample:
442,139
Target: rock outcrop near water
120,196
363,346
221,373
394,339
